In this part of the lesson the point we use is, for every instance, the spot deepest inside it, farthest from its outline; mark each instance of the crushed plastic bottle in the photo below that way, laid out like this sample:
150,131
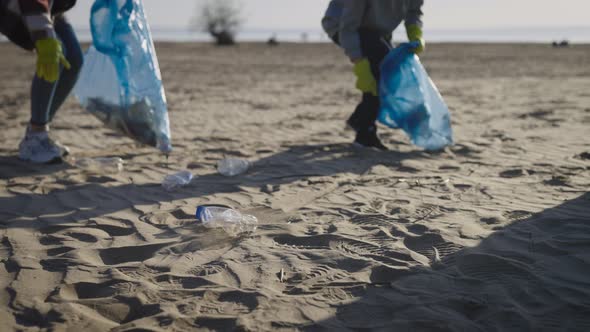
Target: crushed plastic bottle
177,180
233,166
232,221
109,165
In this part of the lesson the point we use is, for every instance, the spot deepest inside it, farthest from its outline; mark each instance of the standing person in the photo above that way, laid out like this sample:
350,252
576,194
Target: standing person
39,25
363,28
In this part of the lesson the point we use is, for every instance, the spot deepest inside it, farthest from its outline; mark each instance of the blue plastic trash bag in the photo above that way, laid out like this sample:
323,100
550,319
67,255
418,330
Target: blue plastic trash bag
411,101
120,82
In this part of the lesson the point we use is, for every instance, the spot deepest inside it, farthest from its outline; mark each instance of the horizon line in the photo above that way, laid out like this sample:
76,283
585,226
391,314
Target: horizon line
319,29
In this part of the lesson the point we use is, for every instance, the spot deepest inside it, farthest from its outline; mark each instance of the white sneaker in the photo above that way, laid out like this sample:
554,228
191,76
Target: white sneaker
38,148
64,150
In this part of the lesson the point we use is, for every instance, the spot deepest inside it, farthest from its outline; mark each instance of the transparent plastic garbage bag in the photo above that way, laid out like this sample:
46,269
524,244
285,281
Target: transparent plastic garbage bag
411,101
120,82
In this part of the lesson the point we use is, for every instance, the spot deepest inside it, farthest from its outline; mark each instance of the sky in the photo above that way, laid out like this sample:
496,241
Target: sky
305,15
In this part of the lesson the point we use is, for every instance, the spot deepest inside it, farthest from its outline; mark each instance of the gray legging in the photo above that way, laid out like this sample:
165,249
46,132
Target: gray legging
47,98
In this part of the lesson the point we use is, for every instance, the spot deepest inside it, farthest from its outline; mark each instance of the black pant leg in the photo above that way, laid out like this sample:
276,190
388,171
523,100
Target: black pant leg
375,46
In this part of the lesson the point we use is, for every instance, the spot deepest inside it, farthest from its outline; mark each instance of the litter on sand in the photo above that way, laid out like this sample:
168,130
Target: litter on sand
120,82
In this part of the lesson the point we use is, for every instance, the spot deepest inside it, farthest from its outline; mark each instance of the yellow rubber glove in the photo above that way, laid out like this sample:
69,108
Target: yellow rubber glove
365,81
49,57
415,35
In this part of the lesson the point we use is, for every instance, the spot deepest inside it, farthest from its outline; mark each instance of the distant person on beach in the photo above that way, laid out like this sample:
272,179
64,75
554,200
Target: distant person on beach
363,28
39,25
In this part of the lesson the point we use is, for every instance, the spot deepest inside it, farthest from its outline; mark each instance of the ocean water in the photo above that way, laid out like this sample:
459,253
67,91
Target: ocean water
533,34
497,35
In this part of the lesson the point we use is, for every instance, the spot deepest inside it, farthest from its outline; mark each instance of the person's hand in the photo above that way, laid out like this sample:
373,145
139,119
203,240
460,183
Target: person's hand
49,57
414,32
365,81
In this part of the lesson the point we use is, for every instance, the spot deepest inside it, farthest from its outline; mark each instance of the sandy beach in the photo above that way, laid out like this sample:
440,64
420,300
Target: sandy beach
491,234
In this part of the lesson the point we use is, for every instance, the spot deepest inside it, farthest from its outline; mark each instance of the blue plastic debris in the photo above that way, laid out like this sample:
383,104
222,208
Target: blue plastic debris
411,101
120,82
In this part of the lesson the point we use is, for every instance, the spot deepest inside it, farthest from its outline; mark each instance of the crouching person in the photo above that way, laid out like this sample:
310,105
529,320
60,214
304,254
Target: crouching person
363,29
40,26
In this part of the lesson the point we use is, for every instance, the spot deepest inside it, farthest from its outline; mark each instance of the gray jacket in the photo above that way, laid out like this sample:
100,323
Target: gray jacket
346,17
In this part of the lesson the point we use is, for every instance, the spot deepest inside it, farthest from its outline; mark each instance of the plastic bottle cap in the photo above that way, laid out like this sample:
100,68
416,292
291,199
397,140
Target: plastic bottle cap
201,210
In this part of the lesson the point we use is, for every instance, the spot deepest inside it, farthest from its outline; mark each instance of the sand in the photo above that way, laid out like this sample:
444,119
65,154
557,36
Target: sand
491,234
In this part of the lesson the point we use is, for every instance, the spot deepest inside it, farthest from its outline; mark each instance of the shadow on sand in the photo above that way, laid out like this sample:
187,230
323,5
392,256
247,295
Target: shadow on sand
530,276
83,202
12,167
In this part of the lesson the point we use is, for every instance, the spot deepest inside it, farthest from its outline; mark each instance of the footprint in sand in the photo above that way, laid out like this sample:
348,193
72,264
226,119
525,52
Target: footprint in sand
177,216
492,220
112,229
216,323
466,150
56,236
557,181
514,173
351,248
208,269
325,280
182,282
583,156
372,220
231,304
417,229
137,309
462,186
517,215
91,290
432,246
248,301
114,256
538,114
449,168
371,252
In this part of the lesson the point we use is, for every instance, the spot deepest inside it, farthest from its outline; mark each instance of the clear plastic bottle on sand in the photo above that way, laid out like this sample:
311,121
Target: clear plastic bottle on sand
233,166
109,165
232,221
177,180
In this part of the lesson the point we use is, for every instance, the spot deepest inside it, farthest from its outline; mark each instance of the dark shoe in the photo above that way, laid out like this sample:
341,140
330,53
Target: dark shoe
368,139
352,124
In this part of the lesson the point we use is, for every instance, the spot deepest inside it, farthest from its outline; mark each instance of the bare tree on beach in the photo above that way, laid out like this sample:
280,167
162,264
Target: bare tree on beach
220,18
